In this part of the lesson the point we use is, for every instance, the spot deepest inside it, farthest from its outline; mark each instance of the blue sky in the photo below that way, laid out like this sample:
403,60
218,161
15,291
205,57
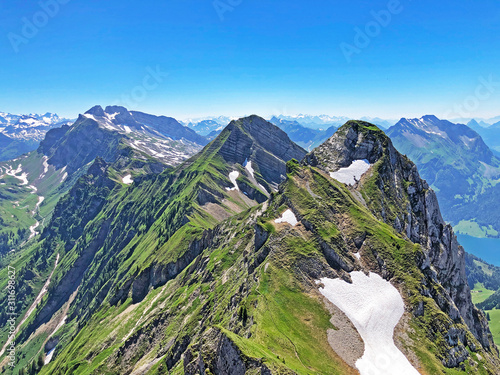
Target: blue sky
256,56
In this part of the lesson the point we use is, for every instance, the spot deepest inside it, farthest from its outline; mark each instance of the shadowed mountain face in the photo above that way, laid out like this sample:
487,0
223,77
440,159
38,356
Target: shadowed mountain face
207,268
255,139
457,163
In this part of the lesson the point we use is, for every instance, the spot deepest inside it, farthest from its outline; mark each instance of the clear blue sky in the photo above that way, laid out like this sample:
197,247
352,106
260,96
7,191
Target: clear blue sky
264,57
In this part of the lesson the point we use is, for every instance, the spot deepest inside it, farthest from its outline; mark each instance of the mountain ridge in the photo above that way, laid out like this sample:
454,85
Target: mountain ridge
169,286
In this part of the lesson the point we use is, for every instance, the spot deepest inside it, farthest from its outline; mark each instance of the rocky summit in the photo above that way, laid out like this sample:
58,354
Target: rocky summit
253,257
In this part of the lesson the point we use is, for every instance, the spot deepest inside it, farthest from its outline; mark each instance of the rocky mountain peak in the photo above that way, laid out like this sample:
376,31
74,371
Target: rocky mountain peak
355,140
115,109
430,118
259,141
95,111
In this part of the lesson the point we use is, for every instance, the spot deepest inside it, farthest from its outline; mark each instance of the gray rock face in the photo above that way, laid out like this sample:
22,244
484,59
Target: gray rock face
264,144
159,274
219,354
408,204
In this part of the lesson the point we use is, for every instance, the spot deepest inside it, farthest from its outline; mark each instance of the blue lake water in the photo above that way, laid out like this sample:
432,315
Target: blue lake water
487,249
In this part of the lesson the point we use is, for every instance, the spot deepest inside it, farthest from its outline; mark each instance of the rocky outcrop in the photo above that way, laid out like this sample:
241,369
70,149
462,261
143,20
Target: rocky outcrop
219,355
264,144
158,274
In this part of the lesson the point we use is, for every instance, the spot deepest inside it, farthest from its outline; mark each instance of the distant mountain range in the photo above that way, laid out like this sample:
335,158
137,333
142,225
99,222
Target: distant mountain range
306,137
22,133
251,256
322,122
209,127
320,126
490,134
459,166
484,122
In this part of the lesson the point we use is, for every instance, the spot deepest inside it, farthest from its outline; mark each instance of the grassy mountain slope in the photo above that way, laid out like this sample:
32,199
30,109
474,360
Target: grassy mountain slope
127,238
31,185
176,274
249,302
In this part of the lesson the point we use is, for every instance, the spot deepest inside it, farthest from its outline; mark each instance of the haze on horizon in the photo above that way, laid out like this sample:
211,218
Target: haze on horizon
189,59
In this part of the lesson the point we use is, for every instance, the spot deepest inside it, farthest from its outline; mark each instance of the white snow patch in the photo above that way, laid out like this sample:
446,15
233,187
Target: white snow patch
357,255
287,217
232,177
112,116
88,115
375,307
248,166
45,167
40,200
14,173
127,129
127,179
65,174
352,173
49,355
33,231
23,178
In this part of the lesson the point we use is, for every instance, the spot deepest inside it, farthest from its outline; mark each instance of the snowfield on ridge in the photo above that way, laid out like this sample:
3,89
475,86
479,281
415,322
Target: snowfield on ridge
351,174
375,307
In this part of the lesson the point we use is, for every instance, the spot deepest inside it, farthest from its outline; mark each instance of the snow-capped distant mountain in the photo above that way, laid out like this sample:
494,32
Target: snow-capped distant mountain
30,127
315,121
208,126
23,133
163,138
